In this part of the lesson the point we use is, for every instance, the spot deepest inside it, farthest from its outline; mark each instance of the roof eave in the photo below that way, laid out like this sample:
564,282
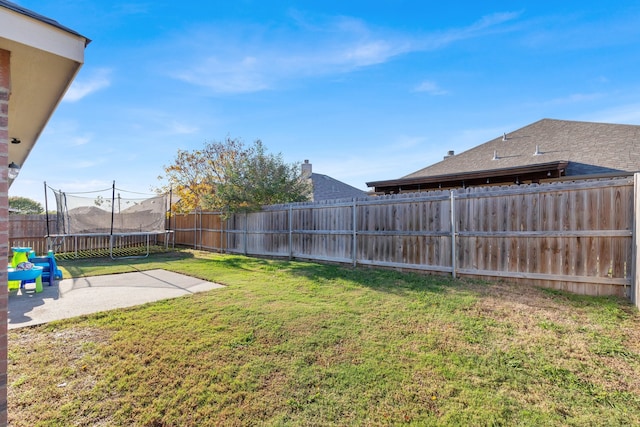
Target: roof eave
19,10
45,58
461,176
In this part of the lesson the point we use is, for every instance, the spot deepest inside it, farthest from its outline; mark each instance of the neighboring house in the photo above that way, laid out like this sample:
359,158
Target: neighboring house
547,149
327,188
39,59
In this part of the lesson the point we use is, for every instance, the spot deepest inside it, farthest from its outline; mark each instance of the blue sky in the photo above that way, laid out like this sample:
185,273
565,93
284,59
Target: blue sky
364,90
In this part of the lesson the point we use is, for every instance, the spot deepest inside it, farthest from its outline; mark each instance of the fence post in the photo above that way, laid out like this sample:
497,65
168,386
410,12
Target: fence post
221,233
354,242
195,230
226,228
246,231
290,232
199,228
635,274
453,234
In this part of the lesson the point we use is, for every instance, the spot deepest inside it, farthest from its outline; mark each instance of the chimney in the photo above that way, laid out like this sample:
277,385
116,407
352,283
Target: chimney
450,153
306,169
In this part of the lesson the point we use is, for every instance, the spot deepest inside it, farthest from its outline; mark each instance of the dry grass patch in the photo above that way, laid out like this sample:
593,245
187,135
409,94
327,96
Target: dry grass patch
56,366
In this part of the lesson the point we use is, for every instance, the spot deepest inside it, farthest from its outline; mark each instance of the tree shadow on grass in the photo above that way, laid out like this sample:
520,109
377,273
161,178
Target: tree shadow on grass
246,263
383,280
403,282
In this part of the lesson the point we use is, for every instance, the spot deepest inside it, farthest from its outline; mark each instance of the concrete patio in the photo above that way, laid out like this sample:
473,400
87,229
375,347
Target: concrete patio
85,295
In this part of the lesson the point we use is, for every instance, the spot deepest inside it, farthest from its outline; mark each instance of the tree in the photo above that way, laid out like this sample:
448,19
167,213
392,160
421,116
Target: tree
229,176
257,179
25,206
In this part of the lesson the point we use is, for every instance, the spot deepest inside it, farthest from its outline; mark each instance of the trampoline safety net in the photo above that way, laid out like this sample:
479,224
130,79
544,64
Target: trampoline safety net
110,211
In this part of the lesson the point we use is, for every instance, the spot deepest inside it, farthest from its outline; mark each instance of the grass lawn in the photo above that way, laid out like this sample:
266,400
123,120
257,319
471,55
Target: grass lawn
304,344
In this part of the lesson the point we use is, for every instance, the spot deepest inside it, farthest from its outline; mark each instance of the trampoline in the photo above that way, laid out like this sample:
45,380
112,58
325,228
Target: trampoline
111,218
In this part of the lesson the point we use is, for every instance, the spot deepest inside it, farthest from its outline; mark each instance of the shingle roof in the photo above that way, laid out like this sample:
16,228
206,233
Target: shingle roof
327,188
590,148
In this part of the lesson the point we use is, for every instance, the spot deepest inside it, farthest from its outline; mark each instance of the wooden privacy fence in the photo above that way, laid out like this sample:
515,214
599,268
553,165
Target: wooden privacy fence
28,231
201,230
575,236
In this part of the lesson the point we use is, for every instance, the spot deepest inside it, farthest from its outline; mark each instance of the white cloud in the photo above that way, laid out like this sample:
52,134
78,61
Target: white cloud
368,53
177,128
80,140
83,87
226,76
242,59
431,88
488,24
491,20
162,122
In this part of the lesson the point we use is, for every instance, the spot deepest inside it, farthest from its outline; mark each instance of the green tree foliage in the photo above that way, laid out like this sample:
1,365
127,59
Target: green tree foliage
25,206
229,176
258,178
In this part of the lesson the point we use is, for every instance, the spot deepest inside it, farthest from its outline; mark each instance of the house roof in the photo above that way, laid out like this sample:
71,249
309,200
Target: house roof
570,147
45,58
327,188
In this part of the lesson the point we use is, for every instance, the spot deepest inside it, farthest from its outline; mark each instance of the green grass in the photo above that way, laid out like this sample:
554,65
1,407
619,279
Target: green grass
303,344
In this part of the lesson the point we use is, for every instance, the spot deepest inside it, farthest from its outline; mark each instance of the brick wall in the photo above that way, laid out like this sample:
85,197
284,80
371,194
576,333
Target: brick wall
4,225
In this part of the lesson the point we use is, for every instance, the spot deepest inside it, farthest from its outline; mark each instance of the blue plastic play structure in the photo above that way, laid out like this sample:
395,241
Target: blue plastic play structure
50,270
